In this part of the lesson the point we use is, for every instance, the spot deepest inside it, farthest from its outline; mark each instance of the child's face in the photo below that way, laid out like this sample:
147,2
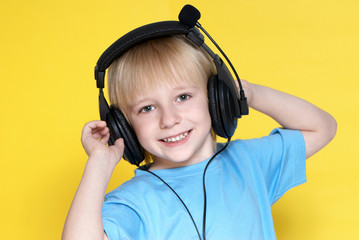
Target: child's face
173,124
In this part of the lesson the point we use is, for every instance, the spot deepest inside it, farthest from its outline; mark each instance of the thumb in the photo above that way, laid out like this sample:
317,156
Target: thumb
119,145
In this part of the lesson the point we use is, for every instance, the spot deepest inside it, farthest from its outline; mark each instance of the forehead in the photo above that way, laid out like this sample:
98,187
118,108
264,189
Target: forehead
167,87
151,87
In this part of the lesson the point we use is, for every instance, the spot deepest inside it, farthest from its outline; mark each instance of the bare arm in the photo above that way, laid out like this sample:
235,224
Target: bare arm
317,126
84,220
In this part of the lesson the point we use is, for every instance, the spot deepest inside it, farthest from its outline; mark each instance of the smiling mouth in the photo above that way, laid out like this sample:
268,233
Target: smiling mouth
177,138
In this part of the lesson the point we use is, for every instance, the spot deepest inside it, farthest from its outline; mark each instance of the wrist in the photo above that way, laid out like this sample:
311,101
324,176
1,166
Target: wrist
248,89
100,164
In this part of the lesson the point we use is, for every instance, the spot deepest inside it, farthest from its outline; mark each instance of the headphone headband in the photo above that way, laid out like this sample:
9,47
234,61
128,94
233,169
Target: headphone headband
136,36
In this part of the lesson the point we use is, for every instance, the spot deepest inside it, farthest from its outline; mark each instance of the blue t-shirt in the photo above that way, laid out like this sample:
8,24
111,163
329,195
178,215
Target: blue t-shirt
242,183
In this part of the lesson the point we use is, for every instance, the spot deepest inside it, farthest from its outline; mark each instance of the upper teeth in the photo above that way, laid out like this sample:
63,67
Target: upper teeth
175,139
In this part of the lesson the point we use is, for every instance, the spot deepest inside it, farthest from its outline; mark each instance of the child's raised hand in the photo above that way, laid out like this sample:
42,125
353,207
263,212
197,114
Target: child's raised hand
95,135
248,89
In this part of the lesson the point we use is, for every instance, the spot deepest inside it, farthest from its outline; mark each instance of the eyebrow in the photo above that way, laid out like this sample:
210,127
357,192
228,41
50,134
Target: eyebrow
177,88
139,102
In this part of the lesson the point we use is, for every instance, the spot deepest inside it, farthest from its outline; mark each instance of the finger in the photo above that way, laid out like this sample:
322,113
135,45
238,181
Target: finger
100,130
98,127
91,128
97,130
100,133
94,125
104,139
120,145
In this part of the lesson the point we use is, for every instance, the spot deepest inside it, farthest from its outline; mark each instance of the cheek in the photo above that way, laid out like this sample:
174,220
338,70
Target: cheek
207,118
144,130
139,128
202,111
199,114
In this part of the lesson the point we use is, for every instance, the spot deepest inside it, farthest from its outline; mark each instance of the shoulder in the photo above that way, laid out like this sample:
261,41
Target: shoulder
278,141
131,189
126,203
277,136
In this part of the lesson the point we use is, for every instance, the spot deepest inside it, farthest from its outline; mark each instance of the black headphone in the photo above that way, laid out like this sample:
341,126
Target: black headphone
225,104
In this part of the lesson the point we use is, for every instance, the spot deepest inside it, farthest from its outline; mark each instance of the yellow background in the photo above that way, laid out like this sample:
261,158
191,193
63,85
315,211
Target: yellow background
48,50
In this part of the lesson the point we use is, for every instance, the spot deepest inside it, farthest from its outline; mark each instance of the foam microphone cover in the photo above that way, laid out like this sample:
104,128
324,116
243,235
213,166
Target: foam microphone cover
189,15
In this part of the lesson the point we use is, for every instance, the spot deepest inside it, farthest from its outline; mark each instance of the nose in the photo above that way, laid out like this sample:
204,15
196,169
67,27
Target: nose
170,117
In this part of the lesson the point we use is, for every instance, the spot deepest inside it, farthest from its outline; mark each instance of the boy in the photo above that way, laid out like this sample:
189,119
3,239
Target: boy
161,87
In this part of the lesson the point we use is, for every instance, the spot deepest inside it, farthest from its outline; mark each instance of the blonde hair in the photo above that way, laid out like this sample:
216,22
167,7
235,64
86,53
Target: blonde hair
151,64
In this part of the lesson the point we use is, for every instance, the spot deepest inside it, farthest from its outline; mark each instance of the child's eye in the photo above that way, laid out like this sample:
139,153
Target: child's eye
148,108
183,97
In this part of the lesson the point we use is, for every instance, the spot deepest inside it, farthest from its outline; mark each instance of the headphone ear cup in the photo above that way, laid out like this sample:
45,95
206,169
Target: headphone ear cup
213,106
120,128
227,108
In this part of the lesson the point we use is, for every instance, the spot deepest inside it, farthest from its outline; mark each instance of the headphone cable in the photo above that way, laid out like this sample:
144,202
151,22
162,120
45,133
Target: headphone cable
189,213
204,189
204,193
241,91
